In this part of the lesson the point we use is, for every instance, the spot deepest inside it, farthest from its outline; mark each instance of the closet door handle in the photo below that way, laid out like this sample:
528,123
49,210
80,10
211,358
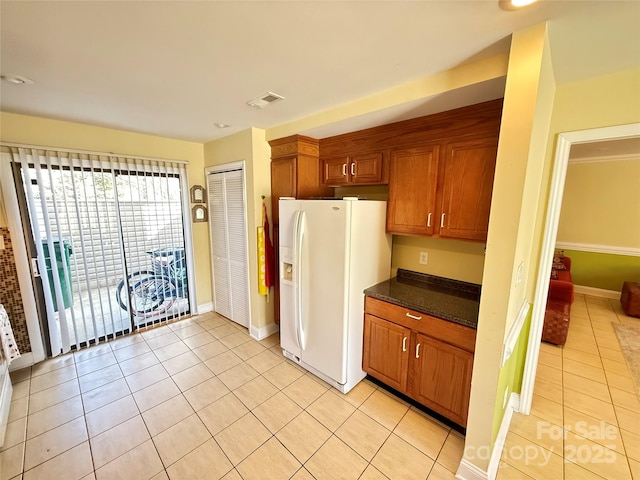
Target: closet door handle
429,220
413,316
353,169
418,351
344,169
404,344
442,221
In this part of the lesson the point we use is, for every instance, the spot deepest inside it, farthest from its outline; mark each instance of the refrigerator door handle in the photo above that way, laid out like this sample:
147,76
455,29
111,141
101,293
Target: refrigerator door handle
300,265
296,273
298,237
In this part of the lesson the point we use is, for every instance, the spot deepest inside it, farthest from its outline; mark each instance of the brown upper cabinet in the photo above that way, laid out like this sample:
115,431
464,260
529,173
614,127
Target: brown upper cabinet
442,189
295,172
412,191
469,166
439,169
358,169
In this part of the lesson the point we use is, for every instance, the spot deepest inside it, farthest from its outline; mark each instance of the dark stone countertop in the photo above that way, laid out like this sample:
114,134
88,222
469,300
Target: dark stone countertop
444,298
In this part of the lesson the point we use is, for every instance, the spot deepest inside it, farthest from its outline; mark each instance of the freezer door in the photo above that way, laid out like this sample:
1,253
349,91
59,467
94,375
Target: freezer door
322,288
289,214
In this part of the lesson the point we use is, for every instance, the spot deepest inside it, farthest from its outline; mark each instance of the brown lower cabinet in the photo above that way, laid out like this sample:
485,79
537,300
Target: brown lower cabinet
423,357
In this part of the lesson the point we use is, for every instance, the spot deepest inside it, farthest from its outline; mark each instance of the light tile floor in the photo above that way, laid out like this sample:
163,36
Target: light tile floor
585,417
200,399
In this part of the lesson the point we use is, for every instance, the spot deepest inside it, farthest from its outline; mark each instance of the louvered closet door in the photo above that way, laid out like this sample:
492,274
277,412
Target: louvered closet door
229,245
237,241
219,250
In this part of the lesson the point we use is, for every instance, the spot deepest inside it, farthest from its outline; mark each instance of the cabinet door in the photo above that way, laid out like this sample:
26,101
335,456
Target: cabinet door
335,171
412,191
385,354
366,169
468,184
442,377
283,182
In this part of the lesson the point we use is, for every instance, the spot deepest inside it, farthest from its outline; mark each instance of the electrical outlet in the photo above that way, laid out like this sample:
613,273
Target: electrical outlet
424,258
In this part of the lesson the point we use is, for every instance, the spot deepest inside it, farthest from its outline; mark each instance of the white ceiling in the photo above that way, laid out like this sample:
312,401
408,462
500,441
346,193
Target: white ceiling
174,68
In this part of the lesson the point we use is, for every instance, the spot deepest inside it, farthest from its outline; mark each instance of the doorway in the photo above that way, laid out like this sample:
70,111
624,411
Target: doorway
106,236
563,150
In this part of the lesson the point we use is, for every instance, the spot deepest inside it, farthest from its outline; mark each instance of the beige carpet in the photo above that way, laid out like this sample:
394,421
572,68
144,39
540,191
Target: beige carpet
629,338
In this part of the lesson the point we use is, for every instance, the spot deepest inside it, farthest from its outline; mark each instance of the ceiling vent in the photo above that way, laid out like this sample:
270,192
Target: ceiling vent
17,79
264,100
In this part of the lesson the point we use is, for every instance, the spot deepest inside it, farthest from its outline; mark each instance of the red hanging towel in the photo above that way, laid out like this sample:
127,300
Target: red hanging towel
269,279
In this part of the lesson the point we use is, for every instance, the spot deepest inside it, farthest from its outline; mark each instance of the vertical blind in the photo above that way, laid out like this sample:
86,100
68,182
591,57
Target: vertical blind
97,220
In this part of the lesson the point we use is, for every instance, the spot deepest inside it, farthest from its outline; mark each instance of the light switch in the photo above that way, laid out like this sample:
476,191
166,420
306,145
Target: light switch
520,273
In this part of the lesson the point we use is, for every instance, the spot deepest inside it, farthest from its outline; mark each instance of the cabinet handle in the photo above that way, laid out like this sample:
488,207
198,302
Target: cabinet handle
418,351
404,344
442,221
344,169
429,220
413,316
353,169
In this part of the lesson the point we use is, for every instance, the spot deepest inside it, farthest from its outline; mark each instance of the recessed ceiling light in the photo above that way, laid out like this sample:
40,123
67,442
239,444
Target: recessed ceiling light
511,5
17,79
222,125
264,100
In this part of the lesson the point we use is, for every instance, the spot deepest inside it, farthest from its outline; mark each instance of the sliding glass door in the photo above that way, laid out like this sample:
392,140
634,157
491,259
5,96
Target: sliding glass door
109,237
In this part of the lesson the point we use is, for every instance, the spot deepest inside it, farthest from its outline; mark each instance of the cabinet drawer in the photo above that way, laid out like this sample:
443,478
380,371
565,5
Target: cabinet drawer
450,332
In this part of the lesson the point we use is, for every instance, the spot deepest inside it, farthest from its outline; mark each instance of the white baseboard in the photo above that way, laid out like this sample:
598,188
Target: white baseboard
23,361
205,307
596,292
263,332
469,471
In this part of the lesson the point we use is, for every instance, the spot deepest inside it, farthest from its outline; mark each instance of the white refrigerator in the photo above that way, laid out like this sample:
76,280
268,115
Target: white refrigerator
330,251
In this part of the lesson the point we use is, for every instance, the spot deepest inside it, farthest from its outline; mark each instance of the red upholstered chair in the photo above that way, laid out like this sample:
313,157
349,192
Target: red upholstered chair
561,288
557,314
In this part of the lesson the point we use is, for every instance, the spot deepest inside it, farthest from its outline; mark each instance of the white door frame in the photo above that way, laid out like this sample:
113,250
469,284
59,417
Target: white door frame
23,266
563,148
227,167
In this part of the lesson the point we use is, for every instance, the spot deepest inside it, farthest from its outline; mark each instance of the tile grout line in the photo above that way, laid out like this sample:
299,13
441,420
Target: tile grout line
250,410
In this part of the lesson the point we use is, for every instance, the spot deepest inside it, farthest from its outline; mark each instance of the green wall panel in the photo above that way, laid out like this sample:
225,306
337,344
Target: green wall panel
511,374
603,270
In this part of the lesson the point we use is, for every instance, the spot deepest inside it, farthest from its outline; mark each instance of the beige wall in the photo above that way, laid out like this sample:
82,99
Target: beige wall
592,103
525,119
447,258
54,133
249,145
601,203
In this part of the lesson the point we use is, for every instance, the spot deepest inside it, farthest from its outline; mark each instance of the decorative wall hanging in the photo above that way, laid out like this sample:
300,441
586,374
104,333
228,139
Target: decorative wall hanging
198,194
199,213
